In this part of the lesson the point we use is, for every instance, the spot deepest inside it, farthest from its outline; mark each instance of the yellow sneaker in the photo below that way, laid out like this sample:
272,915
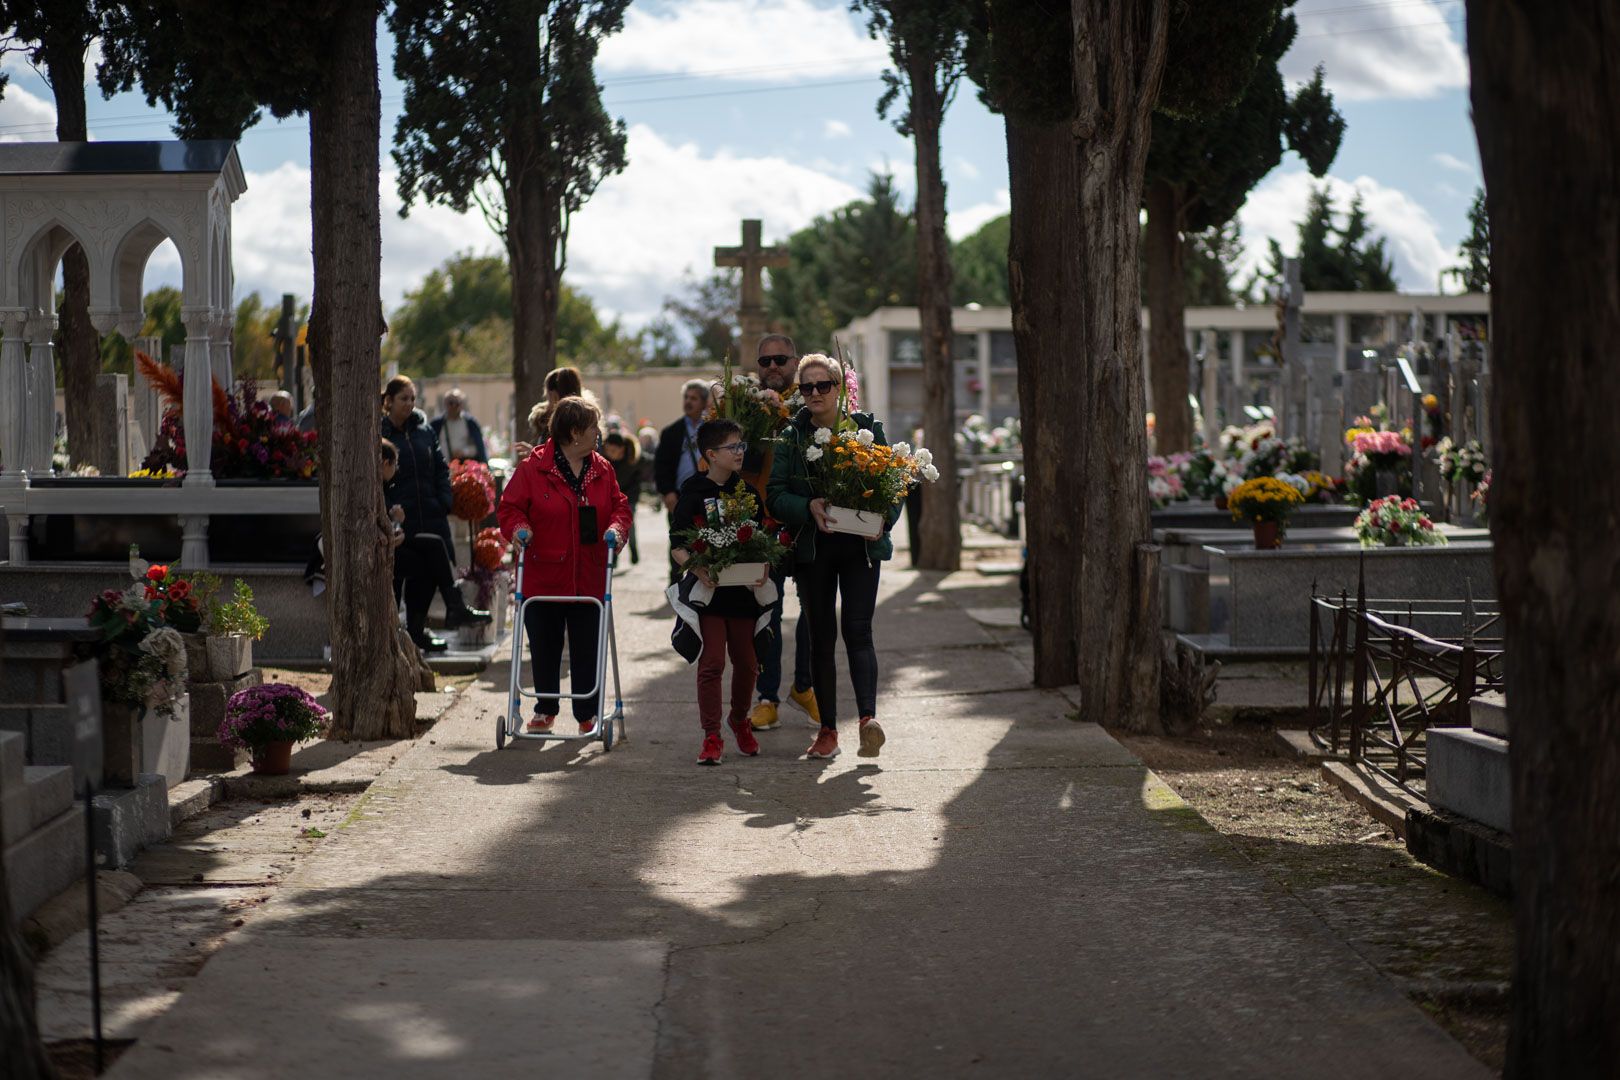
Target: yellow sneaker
806,700
763,716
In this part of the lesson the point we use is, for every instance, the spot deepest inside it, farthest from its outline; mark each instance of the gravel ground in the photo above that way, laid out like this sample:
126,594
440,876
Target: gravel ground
1447,942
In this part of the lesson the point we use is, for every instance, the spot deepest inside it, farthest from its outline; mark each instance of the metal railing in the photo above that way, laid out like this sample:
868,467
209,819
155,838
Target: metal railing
1383,672
991,491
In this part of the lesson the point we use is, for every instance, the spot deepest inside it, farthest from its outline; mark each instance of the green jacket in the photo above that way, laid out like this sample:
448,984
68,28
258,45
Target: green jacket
790,491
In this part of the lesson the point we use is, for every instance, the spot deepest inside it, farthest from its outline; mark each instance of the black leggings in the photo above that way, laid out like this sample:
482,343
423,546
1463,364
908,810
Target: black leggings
544,623
841,570
421,567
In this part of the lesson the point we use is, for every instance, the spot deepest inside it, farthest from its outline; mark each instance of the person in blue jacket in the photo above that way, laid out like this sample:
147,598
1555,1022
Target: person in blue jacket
422,486
460,437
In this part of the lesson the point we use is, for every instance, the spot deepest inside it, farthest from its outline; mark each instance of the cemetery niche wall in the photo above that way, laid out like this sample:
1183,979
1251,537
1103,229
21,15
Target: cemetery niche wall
67,537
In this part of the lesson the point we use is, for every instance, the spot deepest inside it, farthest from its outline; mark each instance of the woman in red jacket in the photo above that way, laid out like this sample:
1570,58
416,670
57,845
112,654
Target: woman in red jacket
559,502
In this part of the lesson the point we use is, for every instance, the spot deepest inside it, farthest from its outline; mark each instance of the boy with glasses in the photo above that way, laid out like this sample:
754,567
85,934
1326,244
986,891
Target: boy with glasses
727,621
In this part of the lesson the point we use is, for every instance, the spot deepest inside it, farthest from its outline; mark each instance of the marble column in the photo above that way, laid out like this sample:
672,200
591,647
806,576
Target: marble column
39,431
1341,339
199,397
13,395
221,355
1237,362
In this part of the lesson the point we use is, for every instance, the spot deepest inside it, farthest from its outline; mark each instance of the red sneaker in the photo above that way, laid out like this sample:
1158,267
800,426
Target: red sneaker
714,749
872,738
538,724
825,746
585,726
747,745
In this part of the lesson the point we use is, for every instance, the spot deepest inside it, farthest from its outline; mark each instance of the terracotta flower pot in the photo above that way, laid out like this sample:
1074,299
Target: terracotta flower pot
1220,502
1267,535
273,759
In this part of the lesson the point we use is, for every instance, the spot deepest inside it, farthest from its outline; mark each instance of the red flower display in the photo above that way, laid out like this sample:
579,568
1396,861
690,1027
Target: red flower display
472,490
699,546
745,533
156,572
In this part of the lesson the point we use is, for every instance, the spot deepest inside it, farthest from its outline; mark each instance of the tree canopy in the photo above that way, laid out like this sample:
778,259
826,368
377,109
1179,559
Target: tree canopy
1473,273
979,265
1334,258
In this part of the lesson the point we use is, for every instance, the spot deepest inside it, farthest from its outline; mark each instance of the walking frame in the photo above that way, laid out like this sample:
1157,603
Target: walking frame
510,725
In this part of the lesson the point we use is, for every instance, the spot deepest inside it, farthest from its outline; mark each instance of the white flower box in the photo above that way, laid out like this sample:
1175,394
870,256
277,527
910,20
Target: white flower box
743,573
865,523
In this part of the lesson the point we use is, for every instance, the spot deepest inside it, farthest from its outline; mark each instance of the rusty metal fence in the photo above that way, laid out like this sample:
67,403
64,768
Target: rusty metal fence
1384,671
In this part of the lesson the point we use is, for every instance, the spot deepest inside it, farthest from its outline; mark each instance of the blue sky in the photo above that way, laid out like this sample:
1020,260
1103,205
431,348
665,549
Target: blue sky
765,108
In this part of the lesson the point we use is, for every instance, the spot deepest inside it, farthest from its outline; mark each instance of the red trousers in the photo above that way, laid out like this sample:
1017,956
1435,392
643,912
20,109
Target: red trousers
722,635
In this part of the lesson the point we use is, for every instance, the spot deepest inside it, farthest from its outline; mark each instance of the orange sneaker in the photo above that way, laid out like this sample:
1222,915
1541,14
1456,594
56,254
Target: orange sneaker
747,745
714,749
825,746
872,737
539,724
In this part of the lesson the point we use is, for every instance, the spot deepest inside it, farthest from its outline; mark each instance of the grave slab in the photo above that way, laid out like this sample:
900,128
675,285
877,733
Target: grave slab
1488,713
1468,775
129,819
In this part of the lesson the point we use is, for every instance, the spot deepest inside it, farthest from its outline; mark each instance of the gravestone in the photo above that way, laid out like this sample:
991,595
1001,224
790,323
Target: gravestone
110,454
1209,396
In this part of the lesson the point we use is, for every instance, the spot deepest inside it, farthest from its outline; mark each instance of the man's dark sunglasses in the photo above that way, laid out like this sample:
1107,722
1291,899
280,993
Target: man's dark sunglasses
825,387
779,359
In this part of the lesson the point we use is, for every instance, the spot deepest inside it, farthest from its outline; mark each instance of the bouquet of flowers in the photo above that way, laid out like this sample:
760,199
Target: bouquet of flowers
759,411
1385,449
1265,498
277,712
1393,522
1164,482
1481,497
174,599
732,532
251,440
851,470
143,663
472,490
1462,464
488,555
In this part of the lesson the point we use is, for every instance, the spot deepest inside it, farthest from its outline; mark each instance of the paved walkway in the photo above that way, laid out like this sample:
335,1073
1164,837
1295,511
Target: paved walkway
1007,891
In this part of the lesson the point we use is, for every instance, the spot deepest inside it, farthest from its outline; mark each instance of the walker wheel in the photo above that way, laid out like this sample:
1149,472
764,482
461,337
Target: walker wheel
607,735
500,732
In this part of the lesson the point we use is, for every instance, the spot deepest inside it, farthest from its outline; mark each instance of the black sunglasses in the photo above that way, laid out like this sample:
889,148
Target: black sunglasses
779,359
824,387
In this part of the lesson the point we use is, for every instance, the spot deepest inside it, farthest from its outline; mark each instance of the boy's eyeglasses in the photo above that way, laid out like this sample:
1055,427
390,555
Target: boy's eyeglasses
779,359
735,447
824,387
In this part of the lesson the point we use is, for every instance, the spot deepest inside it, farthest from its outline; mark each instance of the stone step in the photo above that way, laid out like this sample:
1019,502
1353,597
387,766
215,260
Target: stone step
46,790
1488,713
46,861
1468,775
208,756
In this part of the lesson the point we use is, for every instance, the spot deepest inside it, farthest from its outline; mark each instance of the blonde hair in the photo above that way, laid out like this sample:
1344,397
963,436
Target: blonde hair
815,359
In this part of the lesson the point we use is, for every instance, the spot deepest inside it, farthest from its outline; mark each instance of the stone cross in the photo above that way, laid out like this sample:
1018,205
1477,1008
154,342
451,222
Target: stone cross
753,258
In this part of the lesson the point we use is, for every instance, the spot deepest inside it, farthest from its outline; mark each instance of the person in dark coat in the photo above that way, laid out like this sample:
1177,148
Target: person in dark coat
678,457
624,453
422,486
458,432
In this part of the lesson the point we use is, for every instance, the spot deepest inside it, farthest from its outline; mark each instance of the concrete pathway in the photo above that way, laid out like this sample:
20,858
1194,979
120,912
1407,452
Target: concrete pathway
1007,891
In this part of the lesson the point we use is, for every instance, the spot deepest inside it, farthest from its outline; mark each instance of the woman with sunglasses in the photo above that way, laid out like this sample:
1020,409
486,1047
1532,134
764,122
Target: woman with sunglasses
830,566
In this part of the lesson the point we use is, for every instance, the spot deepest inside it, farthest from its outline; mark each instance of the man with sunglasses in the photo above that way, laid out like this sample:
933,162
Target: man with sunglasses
778,369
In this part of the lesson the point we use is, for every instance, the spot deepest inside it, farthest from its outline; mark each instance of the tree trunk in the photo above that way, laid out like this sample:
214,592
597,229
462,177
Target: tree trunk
1042,272
531,214
1167,319
1119,50
1544,94
373,681
940,535
78,344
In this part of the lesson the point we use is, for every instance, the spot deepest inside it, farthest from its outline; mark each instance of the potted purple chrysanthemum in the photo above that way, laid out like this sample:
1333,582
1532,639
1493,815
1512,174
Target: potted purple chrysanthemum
267,720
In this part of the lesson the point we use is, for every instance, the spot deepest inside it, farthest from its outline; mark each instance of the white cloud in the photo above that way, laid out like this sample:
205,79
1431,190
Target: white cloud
1369,51
1276,206
25,117
761,40
965,167
1450,162
835,129
669,209
967,221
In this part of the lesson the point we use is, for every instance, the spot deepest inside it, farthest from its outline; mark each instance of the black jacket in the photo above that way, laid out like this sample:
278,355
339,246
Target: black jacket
667,461
422,485
732,601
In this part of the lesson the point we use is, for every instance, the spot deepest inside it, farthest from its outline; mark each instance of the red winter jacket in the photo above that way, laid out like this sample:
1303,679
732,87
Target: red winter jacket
537,497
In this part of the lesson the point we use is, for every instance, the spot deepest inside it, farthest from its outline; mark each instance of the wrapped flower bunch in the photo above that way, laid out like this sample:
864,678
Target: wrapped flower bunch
731,531
1396,522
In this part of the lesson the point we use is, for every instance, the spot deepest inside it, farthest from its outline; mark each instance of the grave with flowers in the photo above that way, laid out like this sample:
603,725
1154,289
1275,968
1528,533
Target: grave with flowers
215,480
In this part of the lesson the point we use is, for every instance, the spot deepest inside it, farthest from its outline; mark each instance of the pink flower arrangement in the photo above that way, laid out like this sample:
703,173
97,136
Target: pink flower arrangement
1382,442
